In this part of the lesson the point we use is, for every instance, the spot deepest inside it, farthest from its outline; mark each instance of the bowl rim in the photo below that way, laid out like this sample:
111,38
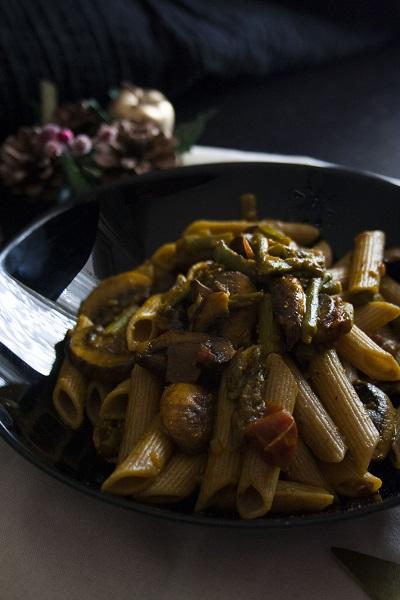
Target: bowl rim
273,522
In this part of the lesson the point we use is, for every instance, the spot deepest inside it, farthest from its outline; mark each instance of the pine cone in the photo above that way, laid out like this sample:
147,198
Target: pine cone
126,147
78,116
26,168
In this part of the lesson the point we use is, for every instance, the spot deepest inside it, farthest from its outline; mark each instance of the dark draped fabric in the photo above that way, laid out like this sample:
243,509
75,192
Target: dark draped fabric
89,46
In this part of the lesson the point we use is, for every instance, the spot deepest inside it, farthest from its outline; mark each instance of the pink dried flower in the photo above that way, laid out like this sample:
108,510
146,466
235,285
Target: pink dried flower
49,132
81,145
107,133
105,156
53,149
65,136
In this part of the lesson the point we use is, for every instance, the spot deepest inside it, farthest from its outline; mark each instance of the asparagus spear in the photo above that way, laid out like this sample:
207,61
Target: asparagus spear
269,336
310,321
234,261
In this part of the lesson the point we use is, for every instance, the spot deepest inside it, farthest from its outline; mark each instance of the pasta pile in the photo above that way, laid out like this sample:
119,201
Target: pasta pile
241,368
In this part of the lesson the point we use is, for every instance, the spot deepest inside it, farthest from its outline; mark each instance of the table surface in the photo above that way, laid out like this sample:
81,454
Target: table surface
346,112
58,544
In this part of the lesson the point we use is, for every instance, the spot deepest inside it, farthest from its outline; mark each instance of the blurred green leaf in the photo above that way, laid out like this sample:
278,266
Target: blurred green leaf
114,93
188,133
92,173
96,106
75,179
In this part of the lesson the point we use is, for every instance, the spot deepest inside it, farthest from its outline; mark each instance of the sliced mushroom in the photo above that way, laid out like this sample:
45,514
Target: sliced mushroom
289,304
334,319
114,294
213,309
198,290
172,314
187,415
245,385
203,271
183,354
233,282
381,412
239,328
242,317
100,355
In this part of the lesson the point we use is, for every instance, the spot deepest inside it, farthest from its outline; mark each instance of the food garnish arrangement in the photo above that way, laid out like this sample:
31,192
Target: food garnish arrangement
241,368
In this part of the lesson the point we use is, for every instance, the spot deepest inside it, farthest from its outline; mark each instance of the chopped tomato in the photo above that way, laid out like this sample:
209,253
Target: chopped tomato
274,436
248,250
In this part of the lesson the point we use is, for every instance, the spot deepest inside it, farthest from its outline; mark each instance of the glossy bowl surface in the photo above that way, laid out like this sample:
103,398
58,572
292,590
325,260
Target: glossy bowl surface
52,265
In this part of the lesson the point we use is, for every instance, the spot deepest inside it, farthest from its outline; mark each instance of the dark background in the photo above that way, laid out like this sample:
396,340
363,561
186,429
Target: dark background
346,112
293,77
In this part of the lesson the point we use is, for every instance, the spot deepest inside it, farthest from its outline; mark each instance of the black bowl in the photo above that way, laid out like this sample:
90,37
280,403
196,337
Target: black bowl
43,277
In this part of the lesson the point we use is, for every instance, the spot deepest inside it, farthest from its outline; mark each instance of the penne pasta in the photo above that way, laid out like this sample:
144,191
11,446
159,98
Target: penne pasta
211,372
143,404
115,403
374,315
302,233
293,497
146,269
220,478
347,479
95,394
258,479
69,395
344,406
366,265
303,468
257,486
223,434
314,423
223,465
390,290
248,205
281,387
177,481
164,257
143,327
146,460
364,354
